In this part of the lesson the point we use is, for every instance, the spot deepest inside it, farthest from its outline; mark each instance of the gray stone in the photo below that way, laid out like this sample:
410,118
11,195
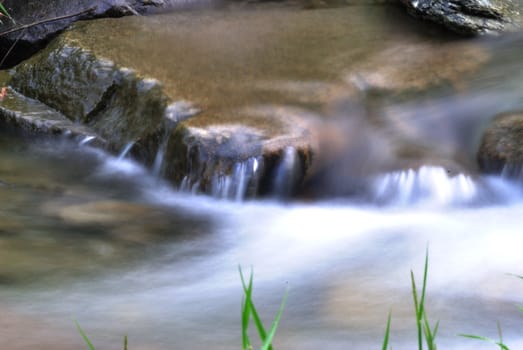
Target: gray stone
466,16
30,40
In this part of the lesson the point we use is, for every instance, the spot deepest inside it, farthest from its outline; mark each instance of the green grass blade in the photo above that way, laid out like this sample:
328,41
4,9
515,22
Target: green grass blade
125,342
246,309
424,287
435,330
479,337
86,339
259,324
250,309
520,308
430,335
5,12
416,309
387,334
267,343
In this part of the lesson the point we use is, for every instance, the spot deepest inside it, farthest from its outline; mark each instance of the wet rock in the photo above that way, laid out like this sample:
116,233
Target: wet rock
31,116
233,102
466,16
30,40
113,101
235,160
502,143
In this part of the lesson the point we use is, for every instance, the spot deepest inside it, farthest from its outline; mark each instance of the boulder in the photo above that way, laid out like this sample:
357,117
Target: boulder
502,144
34,37
466,16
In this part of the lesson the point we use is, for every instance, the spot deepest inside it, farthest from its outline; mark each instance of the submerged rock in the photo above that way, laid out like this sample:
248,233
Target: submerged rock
502,143
466,16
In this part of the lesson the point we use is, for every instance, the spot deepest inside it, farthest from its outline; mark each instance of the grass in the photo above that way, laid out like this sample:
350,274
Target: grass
426,335
4,12
248,310
499,342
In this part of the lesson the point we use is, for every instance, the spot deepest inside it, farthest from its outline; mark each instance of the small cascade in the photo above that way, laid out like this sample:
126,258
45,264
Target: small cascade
512,172
158,164
86,140
240,183
287,173
175,112
126,150
428,185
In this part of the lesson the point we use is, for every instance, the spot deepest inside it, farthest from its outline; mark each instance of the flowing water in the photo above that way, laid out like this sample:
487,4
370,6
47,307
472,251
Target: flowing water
97,238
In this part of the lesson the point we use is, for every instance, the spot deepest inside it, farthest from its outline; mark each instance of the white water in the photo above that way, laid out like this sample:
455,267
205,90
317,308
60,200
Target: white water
101,240
345,264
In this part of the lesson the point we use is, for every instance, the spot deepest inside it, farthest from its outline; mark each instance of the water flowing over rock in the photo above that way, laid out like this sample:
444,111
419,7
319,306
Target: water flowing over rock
237,103
466,16
426,185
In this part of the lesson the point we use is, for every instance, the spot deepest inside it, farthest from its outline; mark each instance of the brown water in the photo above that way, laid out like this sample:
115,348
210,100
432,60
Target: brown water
92,237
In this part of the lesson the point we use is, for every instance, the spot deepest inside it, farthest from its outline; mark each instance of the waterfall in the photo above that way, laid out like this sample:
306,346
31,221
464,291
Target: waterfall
426,185
512,172
86,140
236,183
187,186
240,183
287,173
126,150
174,113
162,148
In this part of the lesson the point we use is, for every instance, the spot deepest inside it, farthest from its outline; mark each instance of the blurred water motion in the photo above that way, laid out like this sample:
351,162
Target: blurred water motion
98,238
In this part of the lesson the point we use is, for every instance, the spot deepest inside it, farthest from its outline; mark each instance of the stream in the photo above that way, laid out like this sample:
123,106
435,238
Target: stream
97,238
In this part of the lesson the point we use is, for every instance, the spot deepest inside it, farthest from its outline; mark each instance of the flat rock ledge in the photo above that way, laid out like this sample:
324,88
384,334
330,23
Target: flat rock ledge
68,90
469,17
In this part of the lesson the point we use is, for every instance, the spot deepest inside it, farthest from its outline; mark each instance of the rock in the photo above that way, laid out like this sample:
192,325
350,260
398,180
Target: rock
232,160
237,102
74,77
112,101
502,144
466,16
31,116
35,37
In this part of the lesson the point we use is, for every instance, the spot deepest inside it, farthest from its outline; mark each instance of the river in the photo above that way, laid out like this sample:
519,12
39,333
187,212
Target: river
98,238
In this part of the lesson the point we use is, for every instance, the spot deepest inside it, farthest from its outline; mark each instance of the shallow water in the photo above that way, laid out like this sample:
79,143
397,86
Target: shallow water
96,238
